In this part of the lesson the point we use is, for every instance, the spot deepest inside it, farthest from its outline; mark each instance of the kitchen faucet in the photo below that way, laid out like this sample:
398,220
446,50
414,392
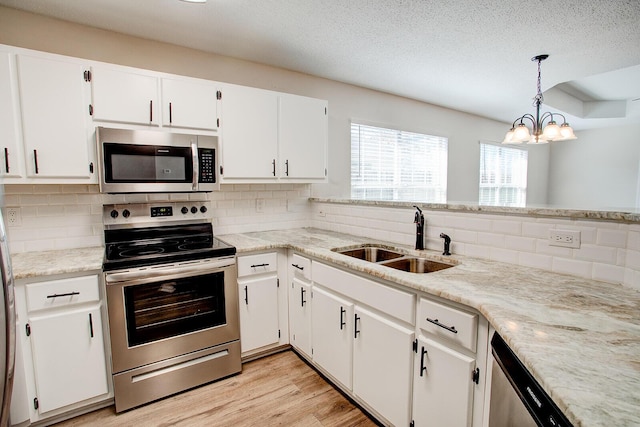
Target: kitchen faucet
419,221
447,242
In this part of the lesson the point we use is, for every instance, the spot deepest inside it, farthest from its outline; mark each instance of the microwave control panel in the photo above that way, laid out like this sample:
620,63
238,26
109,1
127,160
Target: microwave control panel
207,161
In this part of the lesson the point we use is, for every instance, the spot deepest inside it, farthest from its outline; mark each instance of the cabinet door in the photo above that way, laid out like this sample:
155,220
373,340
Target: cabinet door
443,387
54,118
300,316
249,132
124,96
68,357
303,128
258,313
189,104
383,365
10,144
332,331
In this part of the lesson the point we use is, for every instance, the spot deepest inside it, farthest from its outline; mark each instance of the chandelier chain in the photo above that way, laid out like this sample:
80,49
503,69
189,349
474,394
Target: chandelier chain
538,99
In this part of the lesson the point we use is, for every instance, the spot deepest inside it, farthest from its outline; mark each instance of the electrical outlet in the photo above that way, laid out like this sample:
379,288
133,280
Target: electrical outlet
564,238
259,205
14,218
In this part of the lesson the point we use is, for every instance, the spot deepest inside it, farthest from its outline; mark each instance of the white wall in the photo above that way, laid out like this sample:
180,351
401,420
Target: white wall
597,171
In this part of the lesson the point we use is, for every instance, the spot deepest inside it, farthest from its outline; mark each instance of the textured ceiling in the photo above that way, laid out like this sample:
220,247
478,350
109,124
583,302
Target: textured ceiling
470,55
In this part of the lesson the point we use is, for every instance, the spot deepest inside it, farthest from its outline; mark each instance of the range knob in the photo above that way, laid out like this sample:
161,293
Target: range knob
184,210
126,213
203,209
194,209
113,214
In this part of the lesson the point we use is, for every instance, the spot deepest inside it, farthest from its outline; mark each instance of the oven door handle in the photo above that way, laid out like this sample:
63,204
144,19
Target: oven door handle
147,275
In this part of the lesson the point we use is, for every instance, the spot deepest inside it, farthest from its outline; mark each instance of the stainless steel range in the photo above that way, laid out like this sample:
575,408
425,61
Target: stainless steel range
172,300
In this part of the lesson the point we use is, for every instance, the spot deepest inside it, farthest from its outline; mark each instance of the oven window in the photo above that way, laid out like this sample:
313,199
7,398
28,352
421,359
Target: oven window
170,308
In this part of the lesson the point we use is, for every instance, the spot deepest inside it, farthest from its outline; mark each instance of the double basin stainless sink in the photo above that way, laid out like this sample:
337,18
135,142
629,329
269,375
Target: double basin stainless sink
394,259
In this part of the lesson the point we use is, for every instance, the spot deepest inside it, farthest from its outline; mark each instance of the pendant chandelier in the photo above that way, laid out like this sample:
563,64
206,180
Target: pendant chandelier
539,133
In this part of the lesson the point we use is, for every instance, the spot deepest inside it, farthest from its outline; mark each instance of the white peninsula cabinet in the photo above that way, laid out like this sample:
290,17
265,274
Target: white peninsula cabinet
272,137
449,368
61,338
262,303
55,113
375,363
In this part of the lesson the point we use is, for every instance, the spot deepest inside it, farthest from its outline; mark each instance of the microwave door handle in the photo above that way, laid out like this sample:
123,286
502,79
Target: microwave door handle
196,166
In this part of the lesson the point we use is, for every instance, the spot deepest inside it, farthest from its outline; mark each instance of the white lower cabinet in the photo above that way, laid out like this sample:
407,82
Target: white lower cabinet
332,330
68,357
258,313
62,343
443,386
382,365
300,315
262,302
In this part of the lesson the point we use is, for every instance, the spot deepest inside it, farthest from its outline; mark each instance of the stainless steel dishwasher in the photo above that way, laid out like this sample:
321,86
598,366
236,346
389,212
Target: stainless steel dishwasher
517,400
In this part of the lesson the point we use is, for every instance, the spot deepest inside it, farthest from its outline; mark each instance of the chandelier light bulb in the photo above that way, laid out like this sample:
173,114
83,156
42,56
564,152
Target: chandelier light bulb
566,132
551,131
521,134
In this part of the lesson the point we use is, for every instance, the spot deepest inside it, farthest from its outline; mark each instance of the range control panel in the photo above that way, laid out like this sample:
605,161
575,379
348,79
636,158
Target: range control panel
152,213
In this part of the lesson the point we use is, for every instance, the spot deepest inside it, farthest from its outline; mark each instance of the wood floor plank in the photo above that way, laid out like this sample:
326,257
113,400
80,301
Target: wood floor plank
278,390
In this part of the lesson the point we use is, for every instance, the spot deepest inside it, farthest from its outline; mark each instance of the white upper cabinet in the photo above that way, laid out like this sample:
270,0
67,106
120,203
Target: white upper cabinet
190,104
249,133
10,143
302,124
54,117
272,137
124,96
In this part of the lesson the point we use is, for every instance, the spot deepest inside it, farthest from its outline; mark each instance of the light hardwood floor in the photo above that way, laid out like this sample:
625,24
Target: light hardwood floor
278,390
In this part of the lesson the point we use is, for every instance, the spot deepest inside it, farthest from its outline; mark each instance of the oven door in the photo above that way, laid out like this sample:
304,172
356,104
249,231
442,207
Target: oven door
160,312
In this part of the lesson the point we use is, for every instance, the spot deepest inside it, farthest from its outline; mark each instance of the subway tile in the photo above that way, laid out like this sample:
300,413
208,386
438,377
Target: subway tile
543,262
608,273
506,227
596,253
572,267
524,244
504,255
535,229
611,237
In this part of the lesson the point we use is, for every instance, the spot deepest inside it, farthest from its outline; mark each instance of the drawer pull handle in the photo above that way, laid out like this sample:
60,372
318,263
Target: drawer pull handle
259,265
422,367
68,294
342,322
91,325
298,267
448,328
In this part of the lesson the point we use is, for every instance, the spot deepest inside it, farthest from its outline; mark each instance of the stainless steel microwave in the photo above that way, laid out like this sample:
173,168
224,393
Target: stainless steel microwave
152,161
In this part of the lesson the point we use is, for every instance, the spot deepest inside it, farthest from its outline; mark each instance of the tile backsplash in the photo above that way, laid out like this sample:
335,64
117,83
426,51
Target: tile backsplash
609,251
70,216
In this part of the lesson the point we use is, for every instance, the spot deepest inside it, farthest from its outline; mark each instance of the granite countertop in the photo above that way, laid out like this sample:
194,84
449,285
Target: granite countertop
579,338
50,263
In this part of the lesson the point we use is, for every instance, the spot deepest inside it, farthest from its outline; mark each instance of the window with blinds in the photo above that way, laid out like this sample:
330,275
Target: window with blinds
389,164
503,176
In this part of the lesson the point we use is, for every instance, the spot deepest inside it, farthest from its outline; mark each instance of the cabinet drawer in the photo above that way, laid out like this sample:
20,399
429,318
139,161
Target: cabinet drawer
62,293
249,265
301,266
388,300
449,323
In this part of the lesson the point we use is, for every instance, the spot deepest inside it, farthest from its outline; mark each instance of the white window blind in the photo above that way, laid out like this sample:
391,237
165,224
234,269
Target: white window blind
503,176
389,164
